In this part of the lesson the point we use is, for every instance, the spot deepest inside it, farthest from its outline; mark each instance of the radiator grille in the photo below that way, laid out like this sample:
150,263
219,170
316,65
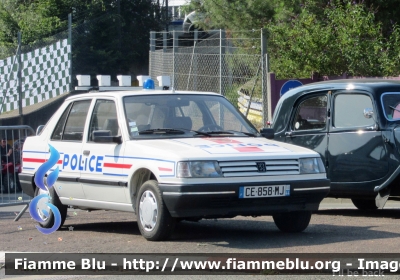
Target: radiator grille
256,168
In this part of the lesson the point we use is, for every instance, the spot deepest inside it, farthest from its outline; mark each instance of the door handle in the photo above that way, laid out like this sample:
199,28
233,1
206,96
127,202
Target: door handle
86,152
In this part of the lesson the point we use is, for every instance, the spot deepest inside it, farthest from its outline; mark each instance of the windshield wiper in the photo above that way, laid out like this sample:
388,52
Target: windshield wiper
200,132
161,131
219,132
181,131
245,133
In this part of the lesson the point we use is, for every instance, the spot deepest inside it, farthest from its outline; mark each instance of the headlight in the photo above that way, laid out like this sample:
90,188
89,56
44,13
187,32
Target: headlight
311,165
198,169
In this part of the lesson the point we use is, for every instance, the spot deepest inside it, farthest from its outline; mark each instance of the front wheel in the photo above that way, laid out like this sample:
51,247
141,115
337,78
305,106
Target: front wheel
41,205
364,204
292,221
154,221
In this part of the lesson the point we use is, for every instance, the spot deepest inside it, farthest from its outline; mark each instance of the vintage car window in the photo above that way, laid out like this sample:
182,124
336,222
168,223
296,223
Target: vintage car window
182,111
349,110
311,114
75,123
391,105
104,117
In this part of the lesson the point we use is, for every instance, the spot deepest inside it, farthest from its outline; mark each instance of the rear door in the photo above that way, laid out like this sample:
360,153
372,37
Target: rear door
67,139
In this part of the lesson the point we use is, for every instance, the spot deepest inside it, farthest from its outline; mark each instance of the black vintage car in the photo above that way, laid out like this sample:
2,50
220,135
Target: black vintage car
355,125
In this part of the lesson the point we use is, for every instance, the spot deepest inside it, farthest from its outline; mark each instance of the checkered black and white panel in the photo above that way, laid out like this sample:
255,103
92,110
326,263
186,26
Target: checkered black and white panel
8,82
45,74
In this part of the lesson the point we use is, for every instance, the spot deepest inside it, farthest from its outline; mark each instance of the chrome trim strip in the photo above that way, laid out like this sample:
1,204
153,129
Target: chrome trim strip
312,189
95,204
197,193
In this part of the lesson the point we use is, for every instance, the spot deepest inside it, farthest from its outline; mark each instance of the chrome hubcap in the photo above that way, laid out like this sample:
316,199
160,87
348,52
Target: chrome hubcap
148,210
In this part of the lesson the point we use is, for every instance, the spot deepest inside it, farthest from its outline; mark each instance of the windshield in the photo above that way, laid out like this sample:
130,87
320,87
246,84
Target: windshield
391,105
184,115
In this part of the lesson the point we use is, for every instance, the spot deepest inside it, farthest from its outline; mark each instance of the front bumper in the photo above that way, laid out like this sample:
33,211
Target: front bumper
222,200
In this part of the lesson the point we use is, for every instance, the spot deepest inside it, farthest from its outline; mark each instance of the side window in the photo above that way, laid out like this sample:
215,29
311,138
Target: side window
311,114
57,133
349,110
72,122
104,117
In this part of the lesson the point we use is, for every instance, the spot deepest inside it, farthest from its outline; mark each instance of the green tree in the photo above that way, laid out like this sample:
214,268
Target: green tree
328,37
116,41
347,40
110,36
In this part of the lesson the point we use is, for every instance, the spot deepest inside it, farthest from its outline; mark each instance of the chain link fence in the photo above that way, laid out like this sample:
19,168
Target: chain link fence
231,63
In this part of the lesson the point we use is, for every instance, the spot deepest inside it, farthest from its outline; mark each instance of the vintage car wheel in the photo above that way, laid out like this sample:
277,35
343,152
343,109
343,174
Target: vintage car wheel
292,221
364,204
154,221
49,221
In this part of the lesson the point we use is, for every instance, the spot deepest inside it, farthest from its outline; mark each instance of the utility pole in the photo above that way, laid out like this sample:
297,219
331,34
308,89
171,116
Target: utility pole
119,24
166,15
19,77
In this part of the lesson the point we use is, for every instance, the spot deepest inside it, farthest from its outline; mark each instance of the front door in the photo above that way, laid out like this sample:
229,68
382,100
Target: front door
357,154
309,124
103,174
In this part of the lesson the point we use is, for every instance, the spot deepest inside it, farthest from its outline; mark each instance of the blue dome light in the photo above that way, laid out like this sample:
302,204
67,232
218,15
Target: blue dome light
148,84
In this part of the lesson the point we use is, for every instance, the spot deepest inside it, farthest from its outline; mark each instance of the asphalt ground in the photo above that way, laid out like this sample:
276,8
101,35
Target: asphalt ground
338,227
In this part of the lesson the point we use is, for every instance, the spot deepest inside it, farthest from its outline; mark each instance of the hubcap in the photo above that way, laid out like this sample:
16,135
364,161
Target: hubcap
148,210
42,206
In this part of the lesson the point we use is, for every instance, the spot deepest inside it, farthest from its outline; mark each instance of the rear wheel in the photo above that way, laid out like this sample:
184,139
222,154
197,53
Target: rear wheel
154,221
41,205
292,221
364,204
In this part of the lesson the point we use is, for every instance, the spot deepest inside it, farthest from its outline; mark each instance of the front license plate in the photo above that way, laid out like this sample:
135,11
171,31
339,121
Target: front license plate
264,191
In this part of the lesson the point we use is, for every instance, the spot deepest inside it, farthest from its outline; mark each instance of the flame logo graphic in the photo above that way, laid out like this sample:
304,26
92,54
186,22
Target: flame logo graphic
40,183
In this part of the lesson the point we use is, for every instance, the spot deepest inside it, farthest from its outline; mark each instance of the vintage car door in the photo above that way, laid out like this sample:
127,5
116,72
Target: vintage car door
308,123
356,151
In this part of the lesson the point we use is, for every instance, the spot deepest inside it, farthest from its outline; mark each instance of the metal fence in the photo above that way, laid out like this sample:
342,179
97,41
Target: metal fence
12,141
229,63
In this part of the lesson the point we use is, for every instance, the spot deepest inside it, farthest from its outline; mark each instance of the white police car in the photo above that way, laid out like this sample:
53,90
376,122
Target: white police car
168,156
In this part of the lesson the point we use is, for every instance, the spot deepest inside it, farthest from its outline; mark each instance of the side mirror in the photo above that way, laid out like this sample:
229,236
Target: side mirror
268,133
39,129
368,113
104,136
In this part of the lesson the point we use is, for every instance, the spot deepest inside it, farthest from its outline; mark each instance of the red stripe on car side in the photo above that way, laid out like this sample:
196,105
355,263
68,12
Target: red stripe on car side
117,165
164,169
33,160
